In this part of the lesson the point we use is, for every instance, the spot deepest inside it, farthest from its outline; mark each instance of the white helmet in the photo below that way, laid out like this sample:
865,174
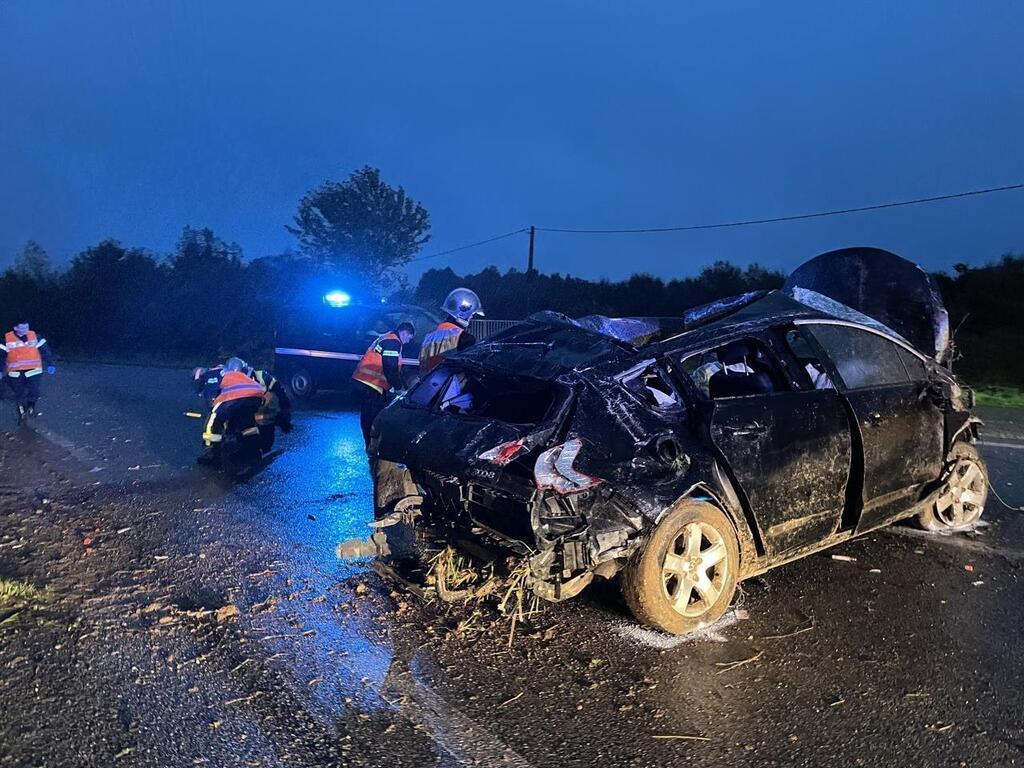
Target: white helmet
463,304
235,364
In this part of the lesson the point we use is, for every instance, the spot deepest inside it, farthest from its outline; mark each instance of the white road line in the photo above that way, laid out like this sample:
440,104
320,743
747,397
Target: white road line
1015,446
465,741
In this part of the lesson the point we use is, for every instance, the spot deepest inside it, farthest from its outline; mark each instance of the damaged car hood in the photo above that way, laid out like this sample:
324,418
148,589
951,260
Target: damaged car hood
881,285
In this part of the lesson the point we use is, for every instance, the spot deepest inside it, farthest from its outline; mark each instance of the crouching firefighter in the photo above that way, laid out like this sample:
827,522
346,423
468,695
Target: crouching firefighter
275,411
461,306
238,400
379,375
27,355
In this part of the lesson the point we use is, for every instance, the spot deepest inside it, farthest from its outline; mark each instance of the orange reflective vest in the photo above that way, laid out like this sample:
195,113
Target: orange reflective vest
235,385
23,357
370,370
437,344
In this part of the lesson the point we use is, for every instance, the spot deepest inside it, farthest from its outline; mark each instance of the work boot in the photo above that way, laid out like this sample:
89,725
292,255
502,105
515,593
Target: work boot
21,414
32,409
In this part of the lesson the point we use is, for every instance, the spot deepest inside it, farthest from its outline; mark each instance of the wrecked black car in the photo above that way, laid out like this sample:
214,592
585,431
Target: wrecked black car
686,455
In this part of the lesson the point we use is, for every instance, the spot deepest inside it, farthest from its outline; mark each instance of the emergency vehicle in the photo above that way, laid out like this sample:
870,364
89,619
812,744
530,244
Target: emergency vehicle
318,347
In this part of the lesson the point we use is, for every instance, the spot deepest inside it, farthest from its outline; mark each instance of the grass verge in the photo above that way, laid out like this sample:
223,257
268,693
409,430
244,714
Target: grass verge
1001,395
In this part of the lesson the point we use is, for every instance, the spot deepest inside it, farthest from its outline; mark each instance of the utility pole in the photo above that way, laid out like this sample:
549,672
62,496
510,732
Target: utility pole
529,262
529,272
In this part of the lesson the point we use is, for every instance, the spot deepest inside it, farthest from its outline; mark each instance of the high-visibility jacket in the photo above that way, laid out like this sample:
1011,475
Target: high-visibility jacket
23,357
437,344
370,370
235,385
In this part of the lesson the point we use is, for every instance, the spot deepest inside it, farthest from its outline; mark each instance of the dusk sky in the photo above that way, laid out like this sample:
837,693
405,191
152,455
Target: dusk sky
130,119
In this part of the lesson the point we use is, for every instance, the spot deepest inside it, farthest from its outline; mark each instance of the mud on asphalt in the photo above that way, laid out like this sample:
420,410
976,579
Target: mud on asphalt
172,628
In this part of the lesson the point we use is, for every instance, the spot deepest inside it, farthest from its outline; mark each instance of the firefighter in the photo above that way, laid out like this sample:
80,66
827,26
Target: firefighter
379,374
27,355
461,306
276,409
238,400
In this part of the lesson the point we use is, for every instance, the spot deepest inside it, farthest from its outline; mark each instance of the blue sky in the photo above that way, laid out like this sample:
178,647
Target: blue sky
132,118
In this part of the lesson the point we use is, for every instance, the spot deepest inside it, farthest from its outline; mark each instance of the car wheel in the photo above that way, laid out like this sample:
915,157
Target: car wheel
960,500
684,576
301,384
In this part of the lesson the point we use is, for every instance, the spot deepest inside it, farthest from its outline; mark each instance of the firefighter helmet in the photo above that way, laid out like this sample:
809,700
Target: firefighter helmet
463,304
235,364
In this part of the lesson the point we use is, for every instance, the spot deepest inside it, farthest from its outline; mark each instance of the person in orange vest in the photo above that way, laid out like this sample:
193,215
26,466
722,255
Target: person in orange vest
27,354
461,306
235,405
379,374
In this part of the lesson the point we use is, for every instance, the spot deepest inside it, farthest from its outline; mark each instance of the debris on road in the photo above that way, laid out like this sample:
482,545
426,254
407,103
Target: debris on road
844,558
227,613
728,666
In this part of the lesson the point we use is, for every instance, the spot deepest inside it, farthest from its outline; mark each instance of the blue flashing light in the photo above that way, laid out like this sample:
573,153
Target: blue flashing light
337,299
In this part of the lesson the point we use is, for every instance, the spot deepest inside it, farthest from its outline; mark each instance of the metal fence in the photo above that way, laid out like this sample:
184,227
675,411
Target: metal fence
481,329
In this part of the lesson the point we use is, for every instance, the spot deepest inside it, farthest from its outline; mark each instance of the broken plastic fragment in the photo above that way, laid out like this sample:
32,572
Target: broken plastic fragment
554,469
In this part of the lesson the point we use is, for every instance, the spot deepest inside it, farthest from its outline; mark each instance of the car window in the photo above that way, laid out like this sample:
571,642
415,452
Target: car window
650,386
812,371
426,389
740,368
863,359
914,365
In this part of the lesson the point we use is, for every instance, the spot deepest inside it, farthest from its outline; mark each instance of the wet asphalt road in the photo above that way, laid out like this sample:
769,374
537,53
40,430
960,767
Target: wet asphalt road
185,621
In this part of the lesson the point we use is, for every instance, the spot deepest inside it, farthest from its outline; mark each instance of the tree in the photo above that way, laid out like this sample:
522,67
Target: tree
107,298
362,226
33,262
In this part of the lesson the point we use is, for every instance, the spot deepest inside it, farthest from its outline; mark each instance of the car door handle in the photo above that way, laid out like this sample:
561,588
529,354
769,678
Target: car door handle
745,430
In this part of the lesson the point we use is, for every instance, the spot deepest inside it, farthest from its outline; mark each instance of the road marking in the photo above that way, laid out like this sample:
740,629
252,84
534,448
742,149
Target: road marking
1015,446
464,740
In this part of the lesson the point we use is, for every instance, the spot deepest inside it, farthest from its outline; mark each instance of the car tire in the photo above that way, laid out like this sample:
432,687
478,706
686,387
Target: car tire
302,384
653,584
960,499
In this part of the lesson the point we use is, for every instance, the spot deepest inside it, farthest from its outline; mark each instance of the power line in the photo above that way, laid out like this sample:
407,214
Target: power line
470,245
797,217
722,225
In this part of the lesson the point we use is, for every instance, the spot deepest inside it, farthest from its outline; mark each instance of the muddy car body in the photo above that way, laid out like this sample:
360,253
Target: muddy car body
693,453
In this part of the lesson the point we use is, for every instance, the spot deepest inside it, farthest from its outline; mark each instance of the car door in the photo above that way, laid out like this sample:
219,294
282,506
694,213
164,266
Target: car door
788,449
899,428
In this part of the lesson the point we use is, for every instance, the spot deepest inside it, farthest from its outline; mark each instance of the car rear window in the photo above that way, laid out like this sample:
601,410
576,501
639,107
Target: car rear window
511,399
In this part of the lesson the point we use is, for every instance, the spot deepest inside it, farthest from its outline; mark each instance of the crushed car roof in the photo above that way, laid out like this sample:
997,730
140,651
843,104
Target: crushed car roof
901,297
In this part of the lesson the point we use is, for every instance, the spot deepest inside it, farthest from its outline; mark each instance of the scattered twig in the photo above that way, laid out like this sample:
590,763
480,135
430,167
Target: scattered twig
244,699
680,737
509,701
800,631
247,661
307,633
727,666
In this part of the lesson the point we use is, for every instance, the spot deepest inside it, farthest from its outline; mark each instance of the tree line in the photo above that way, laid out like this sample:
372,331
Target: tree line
204,301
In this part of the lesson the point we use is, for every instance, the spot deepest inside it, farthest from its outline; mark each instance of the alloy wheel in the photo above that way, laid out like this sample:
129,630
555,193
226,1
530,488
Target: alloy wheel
963,497
695,569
